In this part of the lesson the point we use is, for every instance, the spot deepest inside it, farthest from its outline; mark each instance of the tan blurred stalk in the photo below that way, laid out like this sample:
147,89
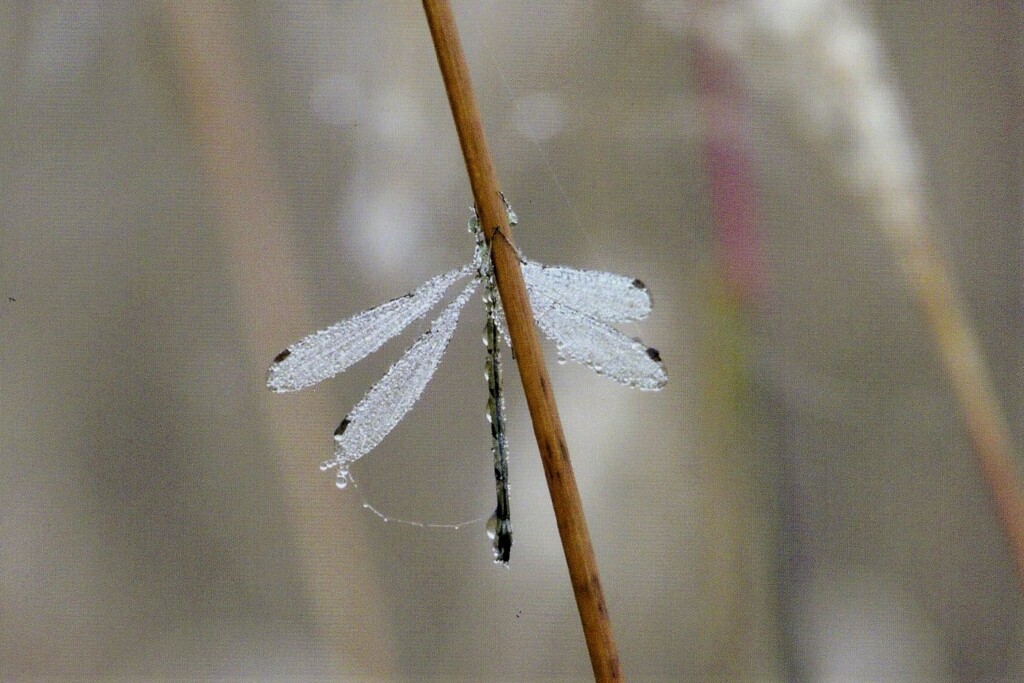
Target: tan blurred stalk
971,382
821,63
274,300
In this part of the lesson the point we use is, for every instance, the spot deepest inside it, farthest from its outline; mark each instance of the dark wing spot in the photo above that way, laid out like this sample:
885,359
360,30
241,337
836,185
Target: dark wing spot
639,284
653,354
342,427
281,356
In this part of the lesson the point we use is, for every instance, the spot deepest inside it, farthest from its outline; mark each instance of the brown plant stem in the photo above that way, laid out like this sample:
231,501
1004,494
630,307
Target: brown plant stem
565,497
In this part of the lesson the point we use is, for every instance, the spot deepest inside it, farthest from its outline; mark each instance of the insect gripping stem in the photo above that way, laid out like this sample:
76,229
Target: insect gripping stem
565,497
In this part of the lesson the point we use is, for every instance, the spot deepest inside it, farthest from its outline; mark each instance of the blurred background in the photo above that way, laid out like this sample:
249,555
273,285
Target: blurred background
189,187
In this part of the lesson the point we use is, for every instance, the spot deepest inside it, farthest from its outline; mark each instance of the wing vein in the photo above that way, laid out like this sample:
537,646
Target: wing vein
604,296
604,349
394,395
325,353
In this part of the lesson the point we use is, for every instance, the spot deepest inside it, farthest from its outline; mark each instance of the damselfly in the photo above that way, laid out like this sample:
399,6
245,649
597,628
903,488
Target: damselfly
574,308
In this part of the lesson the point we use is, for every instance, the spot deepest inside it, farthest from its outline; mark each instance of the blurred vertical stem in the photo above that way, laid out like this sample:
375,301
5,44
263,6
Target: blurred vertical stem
565,497
274,303
740,501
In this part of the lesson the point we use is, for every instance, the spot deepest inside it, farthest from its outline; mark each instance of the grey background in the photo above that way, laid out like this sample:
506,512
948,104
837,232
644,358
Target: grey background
162,513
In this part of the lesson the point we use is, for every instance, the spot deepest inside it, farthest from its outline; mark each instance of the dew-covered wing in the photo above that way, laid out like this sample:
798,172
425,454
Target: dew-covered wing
604,296
383,407
607,351
329,351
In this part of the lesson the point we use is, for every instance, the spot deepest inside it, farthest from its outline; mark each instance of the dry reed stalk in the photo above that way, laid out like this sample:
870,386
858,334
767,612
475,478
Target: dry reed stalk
565,497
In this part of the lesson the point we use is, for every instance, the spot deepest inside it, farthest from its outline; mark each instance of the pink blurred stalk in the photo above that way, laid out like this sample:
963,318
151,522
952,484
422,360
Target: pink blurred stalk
726,161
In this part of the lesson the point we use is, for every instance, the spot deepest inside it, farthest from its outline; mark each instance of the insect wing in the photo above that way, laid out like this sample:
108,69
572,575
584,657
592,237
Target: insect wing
607,351
327,352
604,296
384,406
